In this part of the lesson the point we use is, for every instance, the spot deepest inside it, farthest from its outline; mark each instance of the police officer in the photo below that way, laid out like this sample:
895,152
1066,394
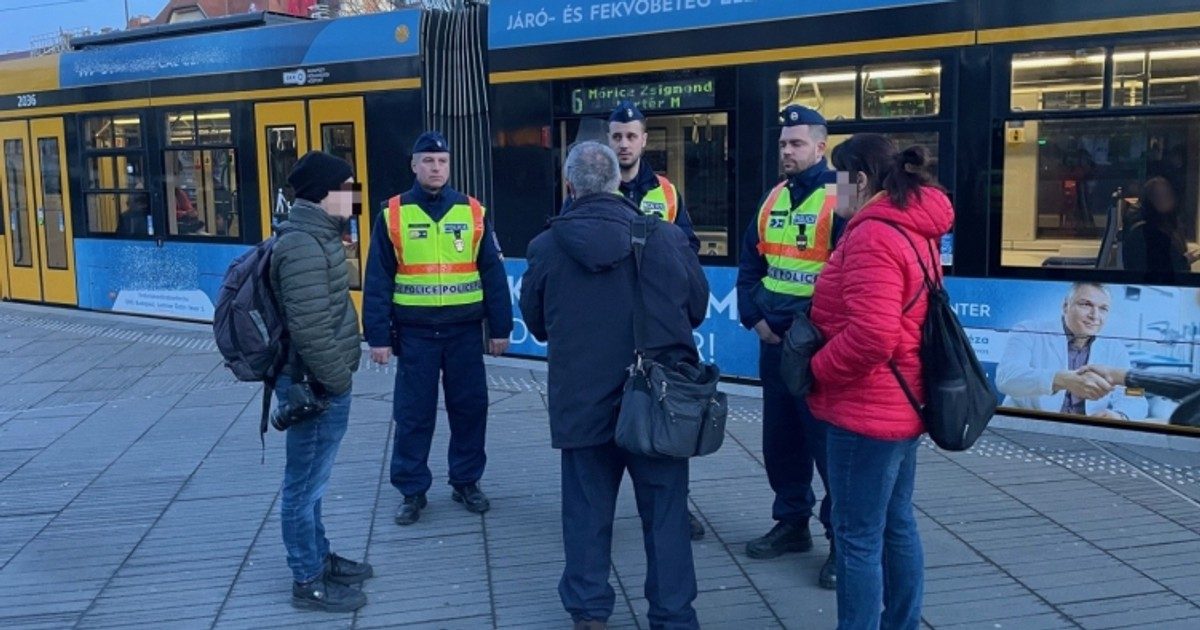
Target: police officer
652,193
783,252
434,272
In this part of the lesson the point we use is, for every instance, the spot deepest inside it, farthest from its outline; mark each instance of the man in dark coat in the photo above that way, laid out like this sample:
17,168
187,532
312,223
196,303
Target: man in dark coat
578,295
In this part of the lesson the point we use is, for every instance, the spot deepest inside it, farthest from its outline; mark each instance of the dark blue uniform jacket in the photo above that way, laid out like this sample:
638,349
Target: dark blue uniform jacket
754,302
578,295
382,317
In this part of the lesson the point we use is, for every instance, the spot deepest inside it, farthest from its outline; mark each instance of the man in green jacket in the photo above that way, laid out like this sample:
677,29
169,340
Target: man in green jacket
311,280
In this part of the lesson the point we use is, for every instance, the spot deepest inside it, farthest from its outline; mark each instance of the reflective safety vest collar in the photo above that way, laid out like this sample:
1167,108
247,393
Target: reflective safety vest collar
662,201
796,242
442,272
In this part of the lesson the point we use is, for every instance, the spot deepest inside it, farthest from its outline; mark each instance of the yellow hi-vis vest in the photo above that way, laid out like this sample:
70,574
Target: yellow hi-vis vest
436,260
795,242
661,201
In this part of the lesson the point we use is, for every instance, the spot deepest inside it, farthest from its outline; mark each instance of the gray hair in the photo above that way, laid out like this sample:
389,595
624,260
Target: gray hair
1077,286
592,168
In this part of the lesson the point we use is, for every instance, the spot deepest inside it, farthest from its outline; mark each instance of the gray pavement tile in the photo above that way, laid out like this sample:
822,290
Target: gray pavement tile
1027,502
1080,592
978,612
1043,621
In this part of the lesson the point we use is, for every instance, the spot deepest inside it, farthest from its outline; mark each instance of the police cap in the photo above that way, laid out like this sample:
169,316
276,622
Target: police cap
431,142
794,115
626,112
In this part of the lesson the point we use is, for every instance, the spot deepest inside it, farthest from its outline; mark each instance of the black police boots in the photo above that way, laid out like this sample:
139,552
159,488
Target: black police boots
783,538
326,595
828,579
472,498
410,510
696,526
346,572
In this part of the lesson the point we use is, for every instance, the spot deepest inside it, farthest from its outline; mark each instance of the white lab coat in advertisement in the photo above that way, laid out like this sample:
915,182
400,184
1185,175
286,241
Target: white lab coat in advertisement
1038,350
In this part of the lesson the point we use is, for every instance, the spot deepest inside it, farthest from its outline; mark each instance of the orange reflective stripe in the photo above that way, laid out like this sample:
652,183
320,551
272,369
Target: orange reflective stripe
822,241
435,268
477,215
764,215
393,220
669,193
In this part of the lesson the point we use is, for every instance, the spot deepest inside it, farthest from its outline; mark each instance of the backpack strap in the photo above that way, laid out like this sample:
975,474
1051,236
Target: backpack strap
263,423
931,283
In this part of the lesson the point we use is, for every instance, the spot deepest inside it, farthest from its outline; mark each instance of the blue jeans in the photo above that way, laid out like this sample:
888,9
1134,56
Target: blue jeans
312,446
880,562
591,478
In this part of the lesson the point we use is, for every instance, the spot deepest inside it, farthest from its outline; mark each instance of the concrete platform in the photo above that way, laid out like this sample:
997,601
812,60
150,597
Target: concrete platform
131,494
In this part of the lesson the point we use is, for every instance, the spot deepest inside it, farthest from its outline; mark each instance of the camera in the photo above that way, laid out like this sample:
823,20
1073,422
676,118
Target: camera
304,402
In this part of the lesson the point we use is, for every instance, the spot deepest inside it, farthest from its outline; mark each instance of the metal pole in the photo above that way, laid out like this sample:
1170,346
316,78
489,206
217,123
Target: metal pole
126,14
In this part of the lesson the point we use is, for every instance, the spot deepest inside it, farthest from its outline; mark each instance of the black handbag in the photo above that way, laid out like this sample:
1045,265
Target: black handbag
800,344
666,411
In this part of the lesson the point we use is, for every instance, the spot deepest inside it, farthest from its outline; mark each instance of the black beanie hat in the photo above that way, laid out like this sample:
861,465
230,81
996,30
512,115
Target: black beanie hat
317,173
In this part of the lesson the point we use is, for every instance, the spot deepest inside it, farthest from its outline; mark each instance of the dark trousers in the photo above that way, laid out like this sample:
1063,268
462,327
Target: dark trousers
792,441
456,355
591,478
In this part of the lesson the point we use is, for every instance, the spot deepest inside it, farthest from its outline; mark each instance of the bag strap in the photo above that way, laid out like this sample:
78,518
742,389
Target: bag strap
268,392
638,232
930,284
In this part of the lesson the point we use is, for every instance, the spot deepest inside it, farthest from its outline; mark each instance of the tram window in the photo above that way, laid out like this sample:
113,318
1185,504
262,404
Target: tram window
120,213
1058,80
829,91
1167,74
115,169
691,150
338,139
904,90
282,155
903,140
18,210
201,174
1112,193
54,225
113,132
110,172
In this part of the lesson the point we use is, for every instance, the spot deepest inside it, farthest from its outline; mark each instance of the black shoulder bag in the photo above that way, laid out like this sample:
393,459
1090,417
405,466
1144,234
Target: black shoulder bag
666,411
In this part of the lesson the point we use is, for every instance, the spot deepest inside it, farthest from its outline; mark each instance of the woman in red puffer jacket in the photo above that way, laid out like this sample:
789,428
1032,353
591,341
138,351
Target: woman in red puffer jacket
869,304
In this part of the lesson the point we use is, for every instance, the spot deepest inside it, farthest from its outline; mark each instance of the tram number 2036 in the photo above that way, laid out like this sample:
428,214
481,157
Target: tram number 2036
27,100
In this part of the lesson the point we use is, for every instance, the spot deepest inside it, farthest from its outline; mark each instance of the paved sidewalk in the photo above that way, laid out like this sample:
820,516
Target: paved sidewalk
131,494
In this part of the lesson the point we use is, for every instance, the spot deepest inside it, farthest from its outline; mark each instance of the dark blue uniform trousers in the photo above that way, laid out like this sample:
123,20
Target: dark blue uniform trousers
456,354
591,478
792,441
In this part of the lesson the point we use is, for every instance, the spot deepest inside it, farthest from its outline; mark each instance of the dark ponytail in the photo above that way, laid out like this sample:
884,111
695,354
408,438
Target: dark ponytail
899,173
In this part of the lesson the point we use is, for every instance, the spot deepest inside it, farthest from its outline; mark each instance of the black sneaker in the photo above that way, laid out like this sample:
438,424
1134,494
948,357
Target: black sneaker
828,578
696,526
322,594
783,538
472,498
346,572
410,510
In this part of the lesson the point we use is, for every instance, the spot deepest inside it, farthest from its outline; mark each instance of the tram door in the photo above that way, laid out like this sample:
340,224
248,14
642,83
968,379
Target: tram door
288,130
39,262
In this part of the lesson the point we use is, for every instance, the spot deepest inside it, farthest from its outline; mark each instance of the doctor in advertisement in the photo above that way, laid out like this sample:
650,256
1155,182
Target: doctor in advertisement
1042,365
